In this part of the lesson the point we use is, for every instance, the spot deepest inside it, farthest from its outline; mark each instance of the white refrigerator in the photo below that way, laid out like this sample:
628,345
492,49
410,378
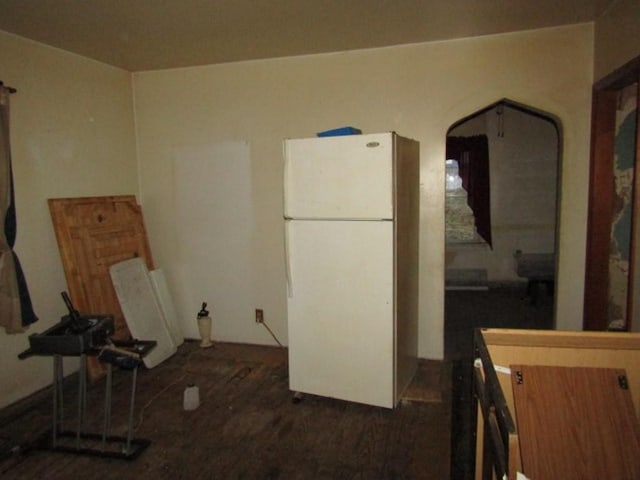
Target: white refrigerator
351,210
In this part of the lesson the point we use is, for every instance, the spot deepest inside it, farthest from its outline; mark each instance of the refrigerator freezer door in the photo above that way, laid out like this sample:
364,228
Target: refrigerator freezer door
348,177
340,310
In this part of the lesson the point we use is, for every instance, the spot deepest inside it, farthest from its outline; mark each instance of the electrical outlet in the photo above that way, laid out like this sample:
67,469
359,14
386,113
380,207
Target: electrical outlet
259,315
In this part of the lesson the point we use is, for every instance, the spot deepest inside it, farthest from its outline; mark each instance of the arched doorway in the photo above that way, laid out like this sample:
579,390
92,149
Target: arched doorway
501,222
501,239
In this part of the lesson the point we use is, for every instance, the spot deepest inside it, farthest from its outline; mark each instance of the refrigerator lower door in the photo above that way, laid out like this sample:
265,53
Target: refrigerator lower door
341,310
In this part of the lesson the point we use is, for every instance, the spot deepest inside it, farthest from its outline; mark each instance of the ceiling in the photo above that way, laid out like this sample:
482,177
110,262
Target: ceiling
139,35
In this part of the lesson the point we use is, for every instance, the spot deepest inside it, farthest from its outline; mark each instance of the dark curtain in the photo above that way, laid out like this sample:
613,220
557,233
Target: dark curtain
472,154
16,310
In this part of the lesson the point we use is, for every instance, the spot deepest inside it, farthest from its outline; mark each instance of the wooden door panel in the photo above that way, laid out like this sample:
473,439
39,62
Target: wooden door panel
97,249
575,422
94,233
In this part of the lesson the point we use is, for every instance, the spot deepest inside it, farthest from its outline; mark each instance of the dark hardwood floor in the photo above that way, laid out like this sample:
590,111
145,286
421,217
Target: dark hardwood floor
246,427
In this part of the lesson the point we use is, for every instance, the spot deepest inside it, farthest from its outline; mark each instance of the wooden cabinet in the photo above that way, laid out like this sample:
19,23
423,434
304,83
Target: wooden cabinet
93,233
575,422
551,401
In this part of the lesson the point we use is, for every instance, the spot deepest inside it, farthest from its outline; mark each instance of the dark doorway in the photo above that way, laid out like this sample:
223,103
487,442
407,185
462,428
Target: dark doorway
499,275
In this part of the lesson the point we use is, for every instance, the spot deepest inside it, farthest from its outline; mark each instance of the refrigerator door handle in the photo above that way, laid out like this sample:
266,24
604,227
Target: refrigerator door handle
285,193
287,259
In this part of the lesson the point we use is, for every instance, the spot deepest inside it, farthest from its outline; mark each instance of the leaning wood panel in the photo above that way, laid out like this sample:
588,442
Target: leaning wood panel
93,233
575,423
560,348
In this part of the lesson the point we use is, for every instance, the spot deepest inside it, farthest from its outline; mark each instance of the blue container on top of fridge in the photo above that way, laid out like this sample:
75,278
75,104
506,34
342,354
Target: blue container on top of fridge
336,132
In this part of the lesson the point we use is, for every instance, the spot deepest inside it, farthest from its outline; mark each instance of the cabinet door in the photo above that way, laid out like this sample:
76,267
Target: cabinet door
575,422
93,233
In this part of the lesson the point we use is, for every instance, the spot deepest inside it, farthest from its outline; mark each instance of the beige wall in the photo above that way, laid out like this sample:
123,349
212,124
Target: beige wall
72,135
417,91
617,37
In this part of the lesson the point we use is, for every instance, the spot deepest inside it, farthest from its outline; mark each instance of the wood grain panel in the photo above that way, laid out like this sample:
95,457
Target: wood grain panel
94,233
561,339
575,423
556,348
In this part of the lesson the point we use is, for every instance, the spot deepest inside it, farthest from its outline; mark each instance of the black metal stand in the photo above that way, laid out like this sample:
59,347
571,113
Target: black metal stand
126,355
85,443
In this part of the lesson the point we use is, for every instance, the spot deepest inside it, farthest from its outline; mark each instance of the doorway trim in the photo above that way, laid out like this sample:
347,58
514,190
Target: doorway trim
601,198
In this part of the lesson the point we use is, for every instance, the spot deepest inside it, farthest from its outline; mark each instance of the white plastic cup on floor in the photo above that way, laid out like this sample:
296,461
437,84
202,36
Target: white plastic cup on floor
191,399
